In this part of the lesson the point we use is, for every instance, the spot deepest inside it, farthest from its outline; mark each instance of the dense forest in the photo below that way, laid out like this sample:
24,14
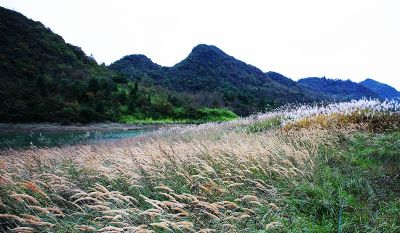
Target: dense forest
227,81
338,89
384,91
245,89
45,79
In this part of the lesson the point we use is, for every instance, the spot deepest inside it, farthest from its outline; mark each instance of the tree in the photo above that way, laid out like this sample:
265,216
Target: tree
93,85
133,97
134,91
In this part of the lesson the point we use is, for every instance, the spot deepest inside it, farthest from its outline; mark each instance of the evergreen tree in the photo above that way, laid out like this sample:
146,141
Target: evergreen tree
133,96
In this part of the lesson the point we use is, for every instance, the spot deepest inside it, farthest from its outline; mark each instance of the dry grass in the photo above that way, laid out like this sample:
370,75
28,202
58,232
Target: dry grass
207,178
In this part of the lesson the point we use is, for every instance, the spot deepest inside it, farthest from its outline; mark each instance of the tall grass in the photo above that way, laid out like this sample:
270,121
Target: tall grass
238,176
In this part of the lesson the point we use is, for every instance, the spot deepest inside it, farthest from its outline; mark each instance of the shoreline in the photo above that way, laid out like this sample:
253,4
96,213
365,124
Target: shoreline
56,127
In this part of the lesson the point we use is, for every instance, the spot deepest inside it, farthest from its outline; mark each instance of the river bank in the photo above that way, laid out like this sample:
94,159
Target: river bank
45,135
52,127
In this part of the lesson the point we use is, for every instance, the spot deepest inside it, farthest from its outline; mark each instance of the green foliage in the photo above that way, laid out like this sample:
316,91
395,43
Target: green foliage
45,79
183,115
214,114
222,80
338,89
357,184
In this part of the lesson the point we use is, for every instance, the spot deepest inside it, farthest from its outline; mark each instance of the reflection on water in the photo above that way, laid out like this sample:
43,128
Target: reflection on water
59,138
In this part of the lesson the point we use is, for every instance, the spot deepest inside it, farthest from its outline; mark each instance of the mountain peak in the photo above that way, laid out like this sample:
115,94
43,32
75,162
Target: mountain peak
137,64
206,47
204,51
383,90
138,58
369,80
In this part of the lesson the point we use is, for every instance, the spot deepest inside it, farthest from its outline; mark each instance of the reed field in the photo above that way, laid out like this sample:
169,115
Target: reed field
319,168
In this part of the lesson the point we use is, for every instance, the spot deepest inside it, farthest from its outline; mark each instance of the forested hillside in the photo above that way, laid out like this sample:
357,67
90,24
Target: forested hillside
45,79
227,81
383,90
336,89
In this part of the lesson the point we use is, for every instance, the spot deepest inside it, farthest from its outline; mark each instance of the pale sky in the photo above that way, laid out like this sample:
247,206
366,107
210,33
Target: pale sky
348,39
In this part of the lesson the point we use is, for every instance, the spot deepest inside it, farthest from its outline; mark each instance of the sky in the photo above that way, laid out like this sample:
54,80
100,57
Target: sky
346,39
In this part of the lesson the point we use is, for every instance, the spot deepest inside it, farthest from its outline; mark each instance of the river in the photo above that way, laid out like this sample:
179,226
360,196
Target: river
42,135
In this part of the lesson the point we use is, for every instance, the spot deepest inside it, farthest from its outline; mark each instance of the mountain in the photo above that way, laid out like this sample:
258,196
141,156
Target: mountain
279,78
337,89
45,79
227,82
384,91
137,66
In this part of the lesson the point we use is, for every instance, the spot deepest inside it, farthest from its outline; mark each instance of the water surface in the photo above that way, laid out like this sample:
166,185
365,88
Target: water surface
27,138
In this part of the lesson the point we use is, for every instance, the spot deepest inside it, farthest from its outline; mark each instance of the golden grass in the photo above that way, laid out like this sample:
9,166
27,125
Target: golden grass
238,155
359,119
201,179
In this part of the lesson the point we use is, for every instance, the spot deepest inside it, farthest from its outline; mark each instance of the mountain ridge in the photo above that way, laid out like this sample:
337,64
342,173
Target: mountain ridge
45,79
208,68
337,89
384,91
240,86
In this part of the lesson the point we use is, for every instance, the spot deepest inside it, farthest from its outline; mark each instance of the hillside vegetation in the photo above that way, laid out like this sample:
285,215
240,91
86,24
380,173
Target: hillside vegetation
45,79
331,168
228,82
339,90
383,90
240,87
